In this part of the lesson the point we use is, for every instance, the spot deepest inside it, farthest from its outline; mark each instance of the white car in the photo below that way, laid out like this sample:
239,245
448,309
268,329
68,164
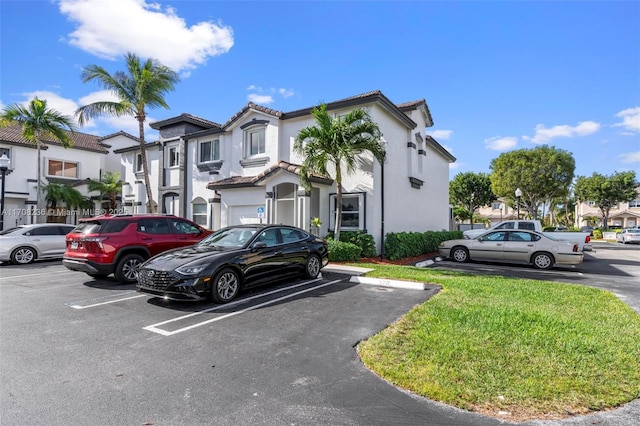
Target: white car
27,243
631,235
515,245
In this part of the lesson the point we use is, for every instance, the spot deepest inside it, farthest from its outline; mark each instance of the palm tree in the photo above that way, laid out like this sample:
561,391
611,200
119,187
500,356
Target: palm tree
111,185
336,141
55,193
142,85
38,122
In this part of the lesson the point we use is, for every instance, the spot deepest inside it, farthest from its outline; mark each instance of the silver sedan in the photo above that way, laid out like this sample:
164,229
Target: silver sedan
630,235
518,246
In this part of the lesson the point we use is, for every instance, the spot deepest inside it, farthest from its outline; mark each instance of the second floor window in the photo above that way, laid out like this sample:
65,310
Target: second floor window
634,203
254,142
209,151
174,157
138,164
68,169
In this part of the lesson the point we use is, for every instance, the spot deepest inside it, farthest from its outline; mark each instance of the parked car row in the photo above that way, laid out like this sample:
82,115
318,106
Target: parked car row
170,256
630,235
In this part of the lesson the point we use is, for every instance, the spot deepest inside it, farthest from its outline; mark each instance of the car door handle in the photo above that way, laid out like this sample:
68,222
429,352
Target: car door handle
277,252
146,239
531,245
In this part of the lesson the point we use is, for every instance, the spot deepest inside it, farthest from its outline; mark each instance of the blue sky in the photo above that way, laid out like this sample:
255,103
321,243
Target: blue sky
497,76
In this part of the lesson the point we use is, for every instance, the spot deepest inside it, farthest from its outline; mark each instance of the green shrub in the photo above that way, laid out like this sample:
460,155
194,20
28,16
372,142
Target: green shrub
361,239
342,252
597,234
407,244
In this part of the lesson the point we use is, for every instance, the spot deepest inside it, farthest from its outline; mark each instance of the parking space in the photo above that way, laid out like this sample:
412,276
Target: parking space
82,351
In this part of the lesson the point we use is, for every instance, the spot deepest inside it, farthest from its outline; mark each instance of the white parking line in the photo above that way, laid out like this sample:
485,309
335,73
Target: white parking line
76,306
154,328
33,275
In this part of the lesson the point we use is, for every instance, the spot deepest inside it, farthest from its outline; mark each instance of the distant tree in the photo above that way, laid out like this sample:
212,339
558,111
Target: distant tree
39,123
471,191
607,191
143,85
110,185
337,142
541,173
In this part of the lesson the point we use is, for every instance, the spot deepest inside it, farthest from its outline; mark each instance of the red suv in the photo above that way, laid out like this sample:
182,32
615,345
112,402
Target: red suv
119,244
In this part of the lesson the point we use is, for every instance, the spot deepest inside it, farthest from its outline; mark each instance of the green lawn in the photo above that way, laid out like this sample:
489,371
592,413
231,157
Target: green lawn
511,348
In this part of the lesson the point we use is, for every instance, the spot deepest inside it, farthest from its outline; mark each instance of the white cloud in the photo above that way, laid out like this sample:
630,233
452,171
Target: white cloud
108,30
441,134
630,157
499,143
544,135
54,101
630,119
260,99
286,93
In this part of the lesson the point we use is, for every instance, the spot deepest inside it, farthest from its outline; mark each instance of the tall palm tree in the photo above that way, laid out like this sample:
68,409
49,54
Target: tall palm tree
111,185
38,122
337,141
143,85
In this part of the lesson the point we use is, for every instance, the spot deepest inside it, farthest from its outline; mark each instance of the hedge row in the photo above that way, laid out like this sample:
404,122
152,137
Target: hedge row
407,244
354,245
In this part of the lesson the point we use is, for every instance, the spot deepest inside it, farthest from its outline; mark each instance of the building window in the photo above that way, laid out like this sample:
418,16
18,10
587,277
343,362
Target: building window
138,164
496,206
352,211
173,157
6,151
254,142
68,169
200,213
209,151
634,203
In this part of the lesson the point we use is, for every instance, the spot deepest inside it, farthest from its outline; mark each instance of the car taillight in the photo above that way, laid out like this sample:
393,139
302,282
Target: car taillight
95,240
587,239
576,248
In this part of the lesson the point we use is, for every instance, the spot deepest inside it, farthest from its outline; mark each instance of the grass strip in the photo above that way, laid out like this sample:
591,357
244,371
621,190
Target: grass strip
532,349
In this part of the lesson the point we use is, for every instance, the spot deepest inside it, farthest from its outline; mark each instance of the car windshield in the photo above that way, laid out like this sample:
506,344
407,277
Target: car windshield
11,230
229,237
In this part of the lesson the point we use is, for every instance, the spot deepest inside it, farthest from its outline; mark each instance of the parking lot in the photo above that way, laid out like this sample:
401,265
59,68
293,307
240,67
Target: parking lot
79,351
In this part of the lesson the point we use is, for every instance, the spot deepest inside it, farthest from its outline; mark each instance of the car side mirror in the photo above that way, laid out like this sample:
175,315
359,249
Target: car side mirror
259,245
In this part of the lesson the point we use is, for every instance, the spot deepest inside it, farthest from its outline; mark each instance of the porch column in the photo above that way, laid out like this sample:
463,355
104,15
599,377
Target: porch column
303,214
269,207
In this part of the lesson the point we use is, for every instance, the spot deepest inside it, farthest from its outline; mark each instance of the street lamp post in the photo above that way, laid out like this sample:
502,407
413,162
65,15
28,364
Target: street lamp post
518,195
4,166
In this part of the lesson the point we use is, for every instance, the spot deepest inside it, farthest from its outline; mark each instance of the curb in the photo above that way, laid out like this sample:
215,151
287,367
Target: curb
389,283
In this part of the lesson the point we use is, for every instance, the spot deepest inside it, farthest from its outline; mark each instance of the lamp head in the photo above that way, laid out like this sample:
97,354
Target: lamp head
518,193
5,162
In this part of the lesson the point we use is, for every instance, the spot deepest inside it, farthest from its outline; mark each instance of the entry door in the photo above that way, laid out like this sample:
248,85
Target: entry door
285,204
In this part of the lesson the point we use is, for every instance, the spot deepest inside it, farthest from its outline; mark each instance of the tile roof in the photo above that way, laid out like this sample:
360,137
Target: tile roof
249,106
249,181
120,133
184,117
13,135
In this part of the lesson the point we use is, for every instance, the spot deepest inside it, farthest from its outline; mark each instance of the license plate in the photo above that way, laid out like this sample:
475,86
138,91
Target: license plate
74,245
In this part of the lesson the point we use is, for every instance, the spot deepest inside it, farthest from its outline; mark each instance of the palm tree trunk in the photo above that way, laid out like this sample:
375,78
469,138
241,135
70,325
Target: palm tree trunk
145,167
338,221
39,212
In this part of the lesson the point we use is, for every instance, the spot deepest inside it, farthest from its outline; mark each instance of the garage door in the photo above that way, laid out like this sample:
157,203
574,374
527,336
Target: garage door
241,215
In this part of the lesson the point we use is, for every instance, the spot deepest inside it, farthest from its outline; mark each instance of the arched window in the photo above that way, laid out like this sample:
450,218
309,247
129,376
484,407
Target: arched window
200,212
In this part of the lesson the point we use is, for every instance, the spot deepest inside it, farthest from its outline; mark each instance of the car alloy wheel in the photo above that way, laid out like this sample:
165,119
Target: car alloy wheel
23,255
127,269
460,254
313,267
225,286
542,260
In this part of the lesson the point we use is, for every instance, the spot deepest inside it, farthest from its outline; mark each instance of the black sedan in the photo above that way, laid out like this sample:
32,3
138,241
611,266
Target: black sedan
232,259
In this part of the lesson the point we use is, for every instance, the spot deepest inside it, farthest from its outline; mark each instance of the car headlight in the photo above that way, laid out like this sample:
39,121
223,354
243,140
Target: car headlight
191,269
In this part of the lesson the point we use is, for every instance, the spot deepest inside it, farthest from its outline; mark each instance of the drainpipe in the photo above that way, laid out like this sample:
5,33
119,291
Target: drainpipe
382,210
